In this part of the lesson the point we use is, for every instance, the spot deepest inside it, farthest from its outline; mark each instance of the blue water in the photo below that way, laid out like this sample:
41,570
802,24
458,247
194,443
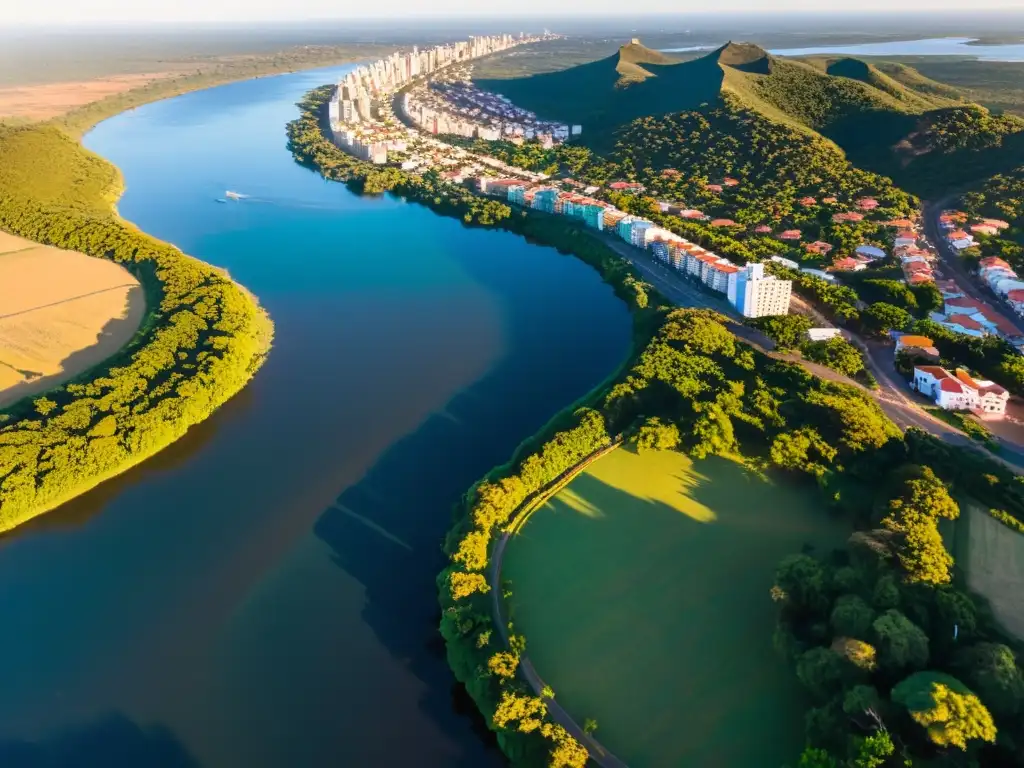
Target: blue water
939,46
262,593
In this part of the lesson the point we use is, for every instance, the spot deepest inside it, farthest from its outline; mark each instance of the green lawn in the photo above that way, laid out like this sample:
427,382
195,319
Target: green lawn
643,593
992,556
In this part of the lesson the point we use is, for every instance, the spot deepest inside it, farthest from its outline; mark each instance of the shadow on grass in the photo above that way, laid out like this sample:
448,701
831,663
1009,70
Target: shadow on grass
654,618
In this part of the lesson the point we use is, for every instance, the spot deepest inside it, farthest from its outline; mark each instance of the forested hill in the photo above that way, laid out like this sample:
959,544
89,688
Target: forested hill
895,122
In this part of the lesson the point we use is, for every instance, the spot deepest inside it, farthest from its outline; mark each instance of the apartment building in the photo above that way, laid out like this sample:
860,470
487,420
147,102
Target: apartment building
755,294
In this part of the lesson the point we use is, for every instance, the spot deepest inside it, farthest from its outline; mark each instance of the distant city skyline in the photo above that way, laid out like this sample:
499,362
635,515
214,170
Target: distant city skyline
73,12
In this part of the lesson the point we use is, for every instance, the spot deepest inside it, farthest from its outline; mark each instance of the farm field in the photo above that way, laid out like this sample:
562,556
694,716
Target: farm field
60,313
46,100
992,557
643,592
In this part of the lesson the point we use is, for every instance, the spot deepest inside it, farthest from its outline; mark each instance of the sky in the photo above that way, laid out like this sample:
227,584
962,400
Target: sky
75,12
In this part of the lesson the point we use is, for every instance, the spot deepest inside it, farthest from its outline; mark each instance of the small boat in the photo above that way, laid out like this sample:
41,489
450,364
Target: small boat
221,200
234,195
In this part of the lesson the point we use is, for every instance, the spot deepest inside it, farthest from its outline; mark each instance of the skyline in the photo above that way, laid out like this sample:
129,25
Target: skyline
125,12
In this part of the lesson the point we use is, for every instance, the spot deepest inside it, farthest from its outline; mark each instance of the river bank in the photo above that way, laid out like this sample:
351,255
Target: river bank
265,583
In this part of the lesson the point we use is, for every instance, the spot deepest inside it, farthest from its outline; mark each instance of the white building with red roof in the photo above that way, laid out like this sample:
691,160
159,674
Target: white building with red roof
960,391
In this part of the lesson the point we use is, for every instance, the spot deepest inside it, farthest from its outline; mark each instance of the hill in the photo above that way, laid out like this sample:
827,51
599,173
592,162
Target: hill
895,122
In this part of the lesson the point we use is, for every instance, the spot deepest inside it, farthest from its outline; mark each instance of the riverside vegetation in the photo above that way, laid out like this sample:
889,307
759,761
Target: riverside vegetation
693,386
202,339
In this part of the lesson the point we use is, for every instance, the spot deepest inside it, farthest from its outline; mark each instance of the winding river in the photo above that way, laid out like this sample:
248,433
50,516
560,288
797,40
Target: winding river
262,594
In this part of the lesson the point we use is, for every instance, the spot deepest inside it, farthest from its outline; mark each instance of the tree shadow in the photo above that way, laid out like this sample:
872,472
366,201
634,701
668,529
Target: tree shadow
112,741
386,530
672,606
81,509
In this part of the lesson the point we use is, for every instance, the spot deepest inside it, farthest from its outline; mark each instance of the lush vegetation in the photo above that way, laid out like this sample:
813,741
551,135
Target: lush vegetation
789,332
1001,197
202,340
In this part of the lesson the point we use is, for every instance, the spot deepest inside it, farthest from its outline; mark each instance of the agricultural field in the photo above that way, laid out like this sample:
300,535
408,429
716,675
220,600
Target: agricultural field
643,592
992,557
60,313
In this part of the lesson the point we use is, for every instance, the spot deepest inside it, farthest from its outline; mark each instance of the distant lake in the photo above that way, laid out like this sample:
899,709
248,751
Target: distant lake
940,46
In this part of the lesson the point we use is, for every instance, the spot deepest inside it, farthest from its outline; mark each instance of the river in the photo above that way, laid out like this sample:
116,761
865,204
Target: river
262,593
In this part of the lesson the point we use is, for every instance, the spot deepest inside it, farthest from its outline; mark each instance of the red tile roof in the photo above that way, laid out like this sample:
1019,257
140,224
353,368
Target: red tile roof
1017,294
965,321
723,223
762,229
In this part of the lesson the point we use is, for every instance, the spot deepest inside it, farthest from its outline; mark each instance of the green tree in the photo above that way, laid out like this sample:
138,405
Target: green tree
821,672
880,318
949,711
655,435
800,580
852,616
901,644
991,670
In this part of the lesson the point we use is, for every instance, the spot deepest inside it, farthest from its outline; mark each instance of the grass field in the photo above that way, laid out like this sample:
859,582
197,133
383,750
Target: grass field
642,591
60,314
992,557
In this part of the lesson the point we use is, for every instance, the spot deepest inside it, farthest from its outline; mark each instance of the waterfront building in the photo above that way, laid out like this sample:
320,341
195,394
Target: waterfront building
755,294
544,199
517,194
593,215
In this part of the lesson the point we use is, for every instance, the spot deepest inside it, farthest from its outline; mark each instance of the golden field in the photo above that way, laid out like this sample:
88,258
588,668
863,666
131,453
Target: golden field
60,314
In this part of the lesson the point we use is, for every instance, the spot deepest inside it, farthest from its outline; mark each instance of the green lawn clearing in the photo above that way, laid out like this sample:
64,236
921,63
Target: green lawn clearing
991,554
643,592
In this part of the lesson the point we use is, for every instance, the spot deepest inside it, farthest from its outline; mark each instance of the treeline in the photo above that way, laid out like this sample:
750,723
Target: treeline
216,72
202,340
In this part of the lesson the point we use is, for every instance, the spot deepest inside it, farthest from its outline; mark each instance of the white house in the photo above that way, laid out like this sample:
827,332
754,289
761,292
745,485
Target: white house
870,252
823,334
960,391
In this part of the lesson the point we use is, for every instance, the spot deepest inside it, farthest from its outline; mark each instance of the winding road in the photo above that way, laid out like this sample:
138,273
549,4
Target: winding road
597,751
891,394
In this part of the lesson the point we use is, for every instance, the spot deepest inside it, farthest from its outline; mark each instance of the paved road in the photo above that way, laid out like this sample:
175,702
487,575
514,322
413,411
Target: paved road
953,266
893,394
598,754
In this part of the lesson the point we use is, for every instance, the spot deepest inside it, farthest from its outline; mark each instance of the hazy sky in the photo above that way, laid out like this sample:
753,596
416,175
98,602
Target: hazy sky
134,11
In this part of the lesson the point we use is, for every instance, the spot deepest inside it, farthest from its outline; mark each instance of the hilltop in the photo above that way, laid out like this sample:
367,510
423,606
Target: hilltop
895,122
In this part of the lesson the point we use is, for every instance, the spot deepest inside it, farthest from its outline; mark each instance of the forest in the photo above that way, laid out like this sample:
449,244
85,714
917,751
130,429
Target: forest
202,341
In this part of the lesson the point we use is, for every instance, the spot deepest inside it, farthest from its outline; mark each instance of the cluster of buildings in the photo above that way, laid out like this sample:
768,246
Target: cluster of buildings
749,289
452,104
358,109
961,235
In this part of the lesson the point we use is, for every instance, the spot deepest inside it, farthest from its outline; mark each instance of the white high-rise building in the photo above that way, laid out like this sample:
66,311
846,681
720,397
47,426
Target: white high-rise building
755,294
